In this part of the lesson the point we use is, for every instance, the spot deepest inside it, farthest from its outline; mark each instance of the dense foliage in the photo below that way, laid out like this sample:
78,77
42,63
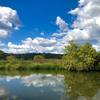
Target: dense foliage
81,57
2,55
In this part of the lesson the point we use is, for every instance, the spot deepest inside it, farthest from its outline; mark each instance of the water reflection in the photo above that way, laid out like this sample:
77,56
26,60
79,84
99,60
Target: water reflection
52,86
32,87
83,86
41,80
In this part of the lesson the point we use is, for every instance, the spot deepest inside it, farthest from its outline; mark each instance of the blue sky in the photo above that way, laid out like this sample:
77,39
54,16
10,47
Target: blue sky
38,16
46,26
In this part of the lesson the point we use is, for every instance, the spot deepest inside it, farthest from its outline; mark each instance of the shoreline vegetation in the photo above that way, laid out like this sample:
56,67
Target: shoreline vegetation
76,58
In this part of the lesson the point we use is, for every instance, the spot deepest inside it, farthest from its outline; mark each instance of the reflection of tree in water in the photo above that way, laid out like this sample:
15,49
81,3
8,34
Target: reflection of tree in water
82,84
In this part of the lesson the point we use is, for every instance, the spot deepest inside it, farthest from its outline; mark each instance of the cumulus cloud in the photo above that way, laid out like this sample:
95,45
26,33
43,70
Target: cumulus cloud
87,22
9,21
63,28
97,45
88,18
86,27
59,35
62,24
37,45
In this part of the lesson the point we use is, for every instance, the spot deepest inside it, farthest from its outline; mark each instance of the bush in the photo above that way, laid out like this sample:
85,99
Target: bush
80,57
39,58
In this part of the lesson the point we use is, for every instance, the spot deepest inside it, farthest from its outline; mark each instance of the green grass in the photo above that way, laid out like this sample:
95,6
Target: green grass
42,64
31,65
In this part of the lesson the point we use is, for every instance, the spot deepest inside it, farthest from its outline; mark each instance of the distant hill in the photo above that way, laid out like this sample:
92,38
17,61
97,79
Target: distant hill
31,55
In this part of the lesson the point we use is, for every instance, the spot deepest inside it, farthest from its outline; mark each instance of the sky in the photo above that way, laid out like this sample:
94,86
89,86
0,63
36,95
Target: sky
46,26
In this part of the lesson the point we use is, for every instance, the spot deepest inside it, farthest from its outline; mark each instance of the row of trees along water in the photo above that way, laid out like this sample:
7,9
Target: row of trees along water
75,58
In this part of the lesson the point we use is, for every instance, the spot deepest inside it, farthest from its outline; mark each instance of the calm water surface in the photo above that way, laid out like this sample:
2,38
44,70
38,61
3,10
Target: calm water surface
49,86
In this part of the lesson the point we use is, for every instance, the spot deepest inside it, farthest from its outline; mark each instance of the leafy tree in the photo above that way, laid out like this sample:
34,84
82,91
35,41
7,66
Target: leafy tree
87,56
97,63
79,57
2,55
71,56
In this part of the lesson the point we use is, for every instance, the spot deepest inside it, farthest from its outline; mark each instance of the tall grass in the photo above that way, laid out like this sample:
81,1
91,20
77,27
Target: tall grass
46,64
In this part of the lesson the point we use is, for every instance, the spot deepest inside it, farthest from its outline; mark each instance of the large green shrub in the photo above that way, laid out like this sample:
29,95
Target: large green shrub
80,57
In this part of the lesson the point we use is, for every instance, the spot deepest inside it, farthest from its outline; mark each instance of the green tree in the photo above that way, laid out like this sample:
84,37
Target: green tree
87,56
71,56
79,57
97,63
2,55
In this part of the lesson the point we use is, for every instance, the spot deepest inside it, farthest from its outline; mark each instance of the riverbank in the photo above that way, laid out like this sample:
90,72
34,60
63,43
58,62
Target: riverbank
43,64
32,65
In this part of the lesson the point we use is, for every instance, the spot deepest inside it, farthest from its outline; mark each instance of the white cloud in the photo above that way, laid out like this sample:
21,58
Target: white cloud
59,35
38,45
40,41
77,34
9,21
88,18
62,24
86,27
97,45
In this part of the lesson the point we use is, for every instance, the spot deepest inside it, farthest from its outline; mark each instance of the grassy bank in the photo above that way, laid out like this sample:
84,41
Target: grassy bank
43,64
31,65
